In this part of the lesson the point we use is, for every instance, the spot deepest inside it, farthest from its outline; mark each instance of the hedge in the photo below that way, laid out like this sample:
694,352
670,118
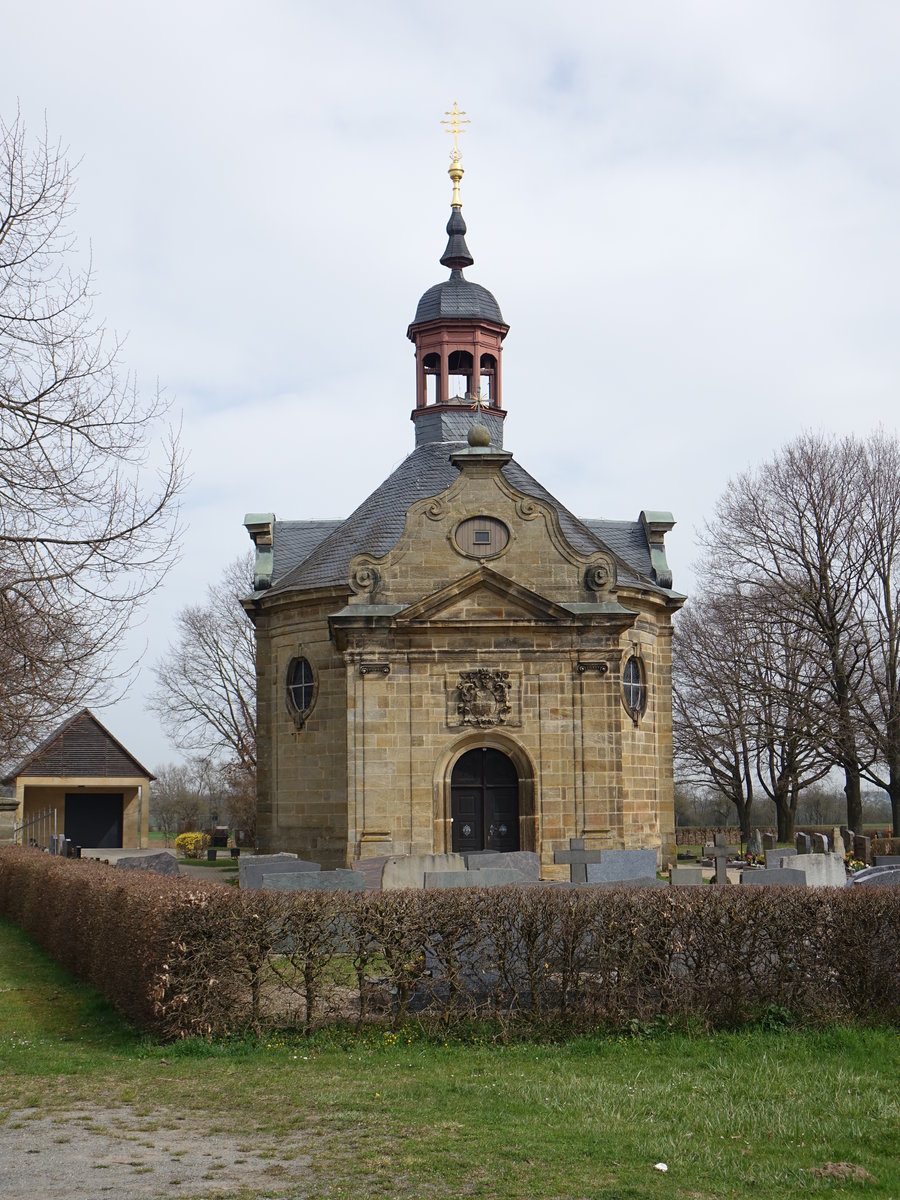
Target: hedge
179,958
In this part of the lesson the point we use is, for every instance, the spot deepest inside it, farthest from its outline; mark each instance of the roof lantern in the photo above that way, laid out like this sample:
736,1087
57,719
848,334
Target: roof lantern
458,327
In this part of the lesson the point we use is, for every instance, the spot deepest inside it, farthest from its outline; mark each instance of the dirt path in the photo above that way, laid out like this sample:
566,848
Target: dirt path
85,1153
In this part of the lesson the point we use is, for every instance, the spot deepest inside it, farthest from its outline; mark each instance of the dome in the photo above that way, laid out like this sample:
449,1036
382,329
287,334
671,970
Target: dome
457,297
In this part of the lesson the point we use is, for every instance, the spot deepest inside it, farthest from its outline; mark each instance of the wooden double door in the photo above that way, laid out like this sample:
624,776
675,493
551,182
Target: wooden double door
484,802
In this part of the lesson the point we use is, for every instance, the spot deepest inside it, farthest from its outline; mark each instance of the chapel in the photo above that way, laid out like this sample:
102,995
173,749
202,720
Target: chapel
462,664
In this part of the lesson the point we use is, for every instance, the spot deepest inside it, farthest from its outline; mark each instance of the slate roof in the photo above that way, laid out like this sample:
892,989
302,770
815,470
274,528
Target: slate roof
295,540
375,527
460,298
79,746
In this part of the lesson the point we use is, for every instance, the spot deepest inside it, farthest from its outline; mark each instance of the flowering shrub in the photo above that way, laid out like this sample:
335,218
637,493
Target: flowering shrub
191,845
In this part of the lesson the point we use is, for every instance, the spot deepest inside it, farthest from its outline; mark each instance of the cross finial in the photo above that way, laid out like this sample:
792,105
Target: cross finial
456,126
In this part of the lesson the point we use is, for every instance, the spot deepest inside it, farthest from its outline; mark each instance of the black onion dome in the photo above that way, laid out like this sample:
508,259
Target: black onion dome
457,297
457,254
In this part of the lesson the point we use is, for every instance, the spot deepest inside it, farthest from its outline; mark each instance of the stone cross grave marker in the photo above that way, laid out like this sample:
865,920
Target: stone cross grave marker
577,859
719,851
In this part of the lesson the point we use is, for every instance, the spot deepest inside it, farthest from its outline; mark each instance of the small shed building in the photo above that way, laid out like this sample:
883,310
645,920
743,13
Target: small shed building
81,782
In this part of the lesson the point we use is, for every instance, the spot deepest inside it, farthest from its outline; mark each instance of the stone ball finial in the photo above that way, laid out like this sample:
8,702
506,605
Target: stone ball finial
479,435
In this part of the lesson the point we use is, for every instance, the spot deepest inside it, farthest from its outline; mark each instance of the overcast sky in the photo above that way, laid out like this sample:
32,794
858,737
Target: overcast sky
688,212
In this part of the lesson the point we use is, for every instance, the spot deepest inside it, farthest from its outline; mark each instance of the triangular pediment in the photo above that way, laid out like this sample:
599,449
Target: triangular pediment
482,596
80,746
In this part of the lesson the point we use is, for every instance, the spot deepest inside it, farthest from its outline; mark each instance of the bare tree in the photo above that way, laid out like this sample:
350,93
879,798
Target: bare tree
745,709
795,527
177,796
205,693
879,703
713,728
788,696
88,491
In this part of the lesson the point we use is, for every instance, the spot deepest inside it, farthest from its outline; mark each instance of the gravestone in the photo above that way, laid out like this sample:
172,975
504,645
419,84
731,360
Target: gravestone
887,860
163,863
862,848
838,844
802,842
685,876
636,881
484,878
526,862
755,843
774,877
821,870
848,835
775,858
371,870
720,852
769,841
577,859
622,866
317,881
408,871
877,877
820,843
251,867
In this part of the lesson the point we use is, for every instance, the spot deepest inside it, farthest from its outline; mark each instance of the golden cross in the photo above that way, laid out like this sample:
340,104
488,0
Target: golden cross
479,404
455,125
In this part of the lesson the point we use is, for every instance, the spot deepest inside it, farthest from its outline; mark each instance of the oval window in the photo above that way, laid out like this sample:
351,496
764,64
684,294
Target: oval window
301,685
481,537
634,687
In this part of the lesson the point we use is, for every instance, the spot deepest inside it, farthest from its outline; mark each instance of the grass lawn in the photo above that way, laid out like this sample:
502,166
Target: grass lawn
758,1114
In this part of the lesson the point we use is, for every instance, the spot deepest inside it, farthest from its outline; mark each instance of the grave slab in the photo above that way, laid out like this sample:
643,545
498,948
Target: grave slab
821,870
685,876
252,866
526,862
877,877
775,858
408,871
163,863
371,870
315,881
622,866
773,877
486,877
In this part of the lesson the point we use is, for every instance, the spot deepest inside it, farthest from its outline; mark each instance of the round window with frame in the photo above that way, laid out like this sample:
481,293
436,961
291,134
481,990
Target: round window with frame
301,689
634,688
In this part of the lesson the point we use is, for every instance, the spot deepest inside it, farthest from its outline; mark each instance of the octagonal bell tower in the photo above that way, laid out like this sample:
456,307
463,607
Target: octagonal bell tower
458,330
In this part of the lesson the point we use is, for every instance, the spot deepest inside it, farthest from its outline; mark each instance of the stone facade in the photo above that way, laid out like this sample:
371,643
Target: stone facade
462,607
368,771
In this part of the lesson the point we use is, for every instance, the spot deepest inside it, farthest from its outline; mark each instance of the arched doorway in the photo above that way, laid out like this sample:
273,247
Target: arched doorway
484,802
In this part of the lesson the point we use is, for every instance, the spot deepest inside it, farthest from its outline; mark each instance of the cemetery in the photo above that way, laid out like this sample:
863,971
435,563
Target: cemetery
452,939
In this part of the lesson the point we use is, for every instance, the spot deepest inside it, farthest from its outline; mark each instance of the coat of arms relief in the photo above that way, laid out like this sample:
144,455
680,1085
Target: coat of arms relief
483,697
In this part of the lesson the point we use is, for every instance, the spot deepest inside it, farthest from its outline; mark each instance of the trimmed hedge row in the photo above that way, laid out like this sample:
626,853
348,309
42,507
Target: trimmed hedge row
181,959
